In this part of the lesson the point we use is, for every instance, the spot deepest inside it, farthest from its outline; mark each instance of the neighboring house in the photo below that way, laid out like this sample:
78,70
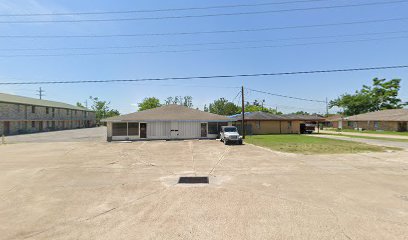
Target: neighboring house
267,123
332,121
27,115
385,120
166,122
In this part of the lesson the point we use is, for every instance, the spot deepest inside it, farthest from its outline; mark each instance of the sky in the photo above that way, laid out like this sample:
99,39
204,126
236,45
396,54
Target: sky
277,50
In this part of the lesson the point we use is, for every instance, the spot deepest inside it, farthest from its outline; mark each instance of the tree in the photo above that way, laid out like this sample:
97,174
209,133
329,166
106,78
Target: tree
258,108
149,103
223,107
188,101
381,95
102,109
78,104
301,113
206,108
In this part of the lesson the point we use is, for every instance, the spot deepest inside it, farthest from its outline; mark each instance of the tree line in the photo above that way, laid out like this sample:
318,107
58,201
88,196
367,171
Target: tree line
381,95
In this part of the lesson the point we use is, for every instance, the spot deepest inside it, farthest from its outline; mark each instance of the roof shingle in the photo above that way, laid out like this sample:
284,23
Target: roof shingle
169,113
383,115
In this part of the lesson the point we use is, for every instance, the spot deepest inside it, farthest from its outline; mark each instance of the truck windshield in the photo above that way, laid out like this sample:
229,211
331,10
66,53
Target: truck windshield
230,129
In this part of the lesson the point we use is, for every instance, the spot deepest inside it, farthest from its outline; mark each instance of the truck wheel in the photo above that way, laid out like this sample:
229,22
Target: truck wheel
225,142
240,142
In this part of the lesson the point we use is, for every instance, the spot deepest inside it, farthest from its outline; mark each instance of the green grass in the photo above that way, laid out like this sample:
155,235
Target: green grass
304,144
368,131
369,137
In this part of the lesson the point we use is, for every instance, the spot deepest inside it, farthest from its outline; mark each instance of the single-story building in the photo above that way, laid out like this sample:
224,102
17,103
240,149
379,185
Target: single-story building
385,120
166,122
267,123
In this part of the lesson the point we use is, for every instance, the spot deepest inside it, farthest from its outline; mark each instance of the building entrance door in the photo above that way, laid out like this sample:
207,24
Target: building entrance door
143,130
203,130
174,129
6,127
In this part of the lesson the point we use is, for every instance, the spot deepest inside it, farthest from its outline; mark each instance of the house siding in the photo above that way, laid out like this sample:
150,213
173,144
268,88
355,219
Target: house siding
370,125
259,127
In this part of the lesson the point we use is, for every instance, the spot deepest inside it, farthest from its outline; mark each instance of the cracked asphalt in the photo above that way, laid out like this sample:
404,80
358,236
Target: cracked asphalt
98,190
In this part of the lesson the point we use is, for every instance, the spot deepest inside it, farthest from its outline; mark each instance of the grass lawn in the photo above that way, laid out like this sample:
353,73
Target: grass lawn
304,144
368,131
369,137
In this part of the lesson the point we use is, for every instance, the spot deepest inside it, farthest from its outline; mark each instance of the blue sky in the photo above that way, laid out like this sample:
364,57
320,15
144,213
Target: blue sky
124,96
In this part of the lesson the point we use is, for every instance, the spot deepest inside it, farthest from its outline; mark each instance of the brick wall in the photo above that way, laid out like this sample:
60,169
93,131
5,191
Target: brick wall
20,118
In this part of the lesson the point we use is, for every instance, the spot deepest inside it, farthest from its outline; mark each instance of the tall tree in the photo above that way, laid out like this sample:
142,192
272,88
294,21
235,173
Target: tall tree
188,101
381,95
223,107
102,109
149,103
179,100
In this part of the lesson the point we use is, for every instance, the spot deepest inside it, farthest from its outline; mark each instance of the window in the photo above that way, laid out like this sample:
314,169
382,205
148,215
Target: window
32,109
47,110
32,124
258,124
53,112
133,129
350,124
212,128
376,125
18,108
67,112
119,129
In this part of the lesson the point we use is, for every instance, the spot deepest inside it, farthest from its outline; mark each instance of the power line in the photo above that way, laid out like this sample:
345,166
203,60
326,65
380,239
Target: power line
285,96
203,15
209,77
209,32
196,50
202,44
159,10
233,100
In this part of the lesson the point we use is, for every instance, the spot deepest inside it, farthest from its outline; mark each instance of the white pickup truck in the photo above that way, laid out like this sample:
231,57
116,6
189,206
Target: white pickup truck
229,134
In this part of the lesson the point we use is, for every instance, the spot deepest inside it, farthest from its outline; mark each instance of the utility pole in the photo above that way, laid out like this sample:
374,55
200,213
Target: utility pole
243,112
263,101
40,93
327,108
86,103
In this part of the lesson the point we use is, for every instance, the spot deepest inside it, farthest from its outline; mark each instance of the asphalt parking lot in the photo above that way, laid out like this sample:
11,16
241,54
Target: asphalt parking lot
91,189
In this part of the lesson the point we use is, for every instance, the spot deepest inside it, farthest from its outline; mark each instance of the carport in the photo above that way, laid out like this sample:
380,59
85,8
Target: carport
166,122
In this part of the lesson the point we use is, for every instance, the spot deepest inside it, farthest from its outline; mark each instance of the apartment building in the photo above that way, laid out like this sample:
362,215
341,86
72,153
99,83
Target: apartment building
19,115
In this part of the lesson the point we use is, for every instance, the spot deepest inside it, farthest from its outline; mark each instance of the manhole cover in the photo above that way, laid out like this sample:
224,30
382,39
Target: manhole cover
193,180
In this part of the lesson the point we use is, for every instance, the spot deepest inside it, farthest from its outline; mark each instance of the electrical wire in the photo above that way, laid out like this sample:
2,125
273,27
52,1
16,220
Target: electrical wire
200,16
210,32
202,44
209,77
159,10
194,50
285,96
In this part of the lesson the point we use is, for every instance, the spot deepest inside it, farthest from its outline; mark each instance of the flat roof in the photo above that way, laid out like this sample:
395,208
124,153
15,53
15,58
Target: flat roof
8,98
